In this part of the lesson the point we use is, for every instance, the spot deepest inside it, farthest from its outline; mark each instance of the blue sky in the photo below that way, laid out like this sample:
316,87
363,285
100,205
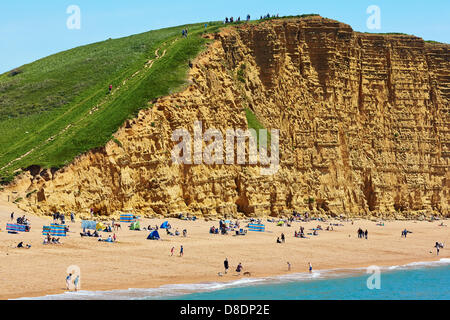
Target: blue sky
31,29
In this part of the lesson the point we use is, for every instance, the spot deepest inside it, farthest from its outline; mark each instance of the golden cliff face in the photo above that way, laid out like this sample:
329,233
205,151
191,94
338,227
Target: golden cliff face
363,119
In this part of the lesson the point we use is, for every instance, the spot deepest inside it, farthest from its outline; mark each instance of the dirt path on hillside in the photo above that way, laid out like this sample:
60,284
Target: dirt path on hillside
148,65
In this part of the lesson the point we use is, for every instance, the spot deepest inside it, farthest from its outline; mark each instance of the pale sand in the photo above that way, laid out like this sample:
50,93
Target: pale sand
135,262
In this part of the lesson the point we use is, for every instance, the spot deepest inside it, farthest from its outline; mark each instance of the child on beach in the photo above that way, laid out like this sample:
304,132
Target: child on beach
171,251
68,279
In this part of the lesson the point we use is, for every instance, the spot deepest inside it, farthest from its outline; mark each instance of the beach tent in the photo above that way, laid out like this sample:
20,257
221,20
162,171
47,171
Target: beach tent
17,227
100,226
86,224
154,235
256,227
135,226
128,218
164,225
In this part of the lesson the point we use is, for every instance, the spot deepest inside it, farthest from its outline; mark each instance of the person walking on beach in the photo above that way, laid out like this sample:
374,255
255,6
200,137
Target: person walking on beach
72,217
181,251
282,238
366,233
310,267
76,282
68,280
12,216
437,248
171,251
226,265
289,266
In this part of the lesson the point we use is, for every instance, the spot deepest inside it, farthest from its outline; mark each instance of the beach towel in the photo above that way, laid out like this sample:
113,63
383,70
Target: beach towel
280,223
128,218
17,227
90,225
256,227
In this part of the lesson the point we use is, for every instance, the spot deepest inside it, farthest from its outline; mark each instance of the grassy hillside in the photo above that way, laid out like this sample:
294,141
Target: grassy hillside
46,116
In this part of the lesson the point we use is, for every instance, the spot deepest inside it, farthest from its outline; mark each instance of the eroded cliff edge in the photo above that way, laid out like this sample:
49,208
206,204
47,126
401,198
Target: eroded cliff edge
363,119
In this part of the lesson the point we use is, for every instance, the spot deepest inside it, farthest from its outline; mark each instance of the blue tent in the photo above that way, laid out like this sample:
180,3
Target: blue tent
154,235
164,225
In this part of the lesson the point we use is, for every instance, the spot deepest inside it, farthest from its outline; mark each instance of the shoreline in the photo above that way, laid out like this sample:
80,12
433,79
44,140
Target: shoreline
177,290
135,262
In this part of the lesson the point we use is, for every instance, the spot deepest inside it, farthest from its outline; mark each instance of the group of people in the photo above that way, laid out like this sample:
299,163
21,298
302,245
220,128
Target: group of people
20,220
268,16
177,233
76,282
51,240
109,239
184,32
231,19
362,234
226,266
281,239
181,251
300,234
61,217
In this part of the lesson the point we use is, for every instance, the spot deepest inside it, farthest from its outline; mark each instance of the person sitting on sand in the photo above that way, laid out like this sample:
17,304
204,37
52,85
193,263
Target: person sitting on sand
315,233
177,233
239,268
278,240
185,233
20,245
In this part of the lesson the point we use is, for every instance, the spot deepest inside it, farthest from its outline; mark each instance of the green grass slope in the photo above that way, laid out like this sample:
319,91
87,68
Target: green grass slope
45,109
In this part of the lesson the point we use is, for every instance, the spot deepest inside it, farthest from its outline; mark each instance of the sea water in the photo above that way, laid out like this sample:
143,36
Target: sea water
415,281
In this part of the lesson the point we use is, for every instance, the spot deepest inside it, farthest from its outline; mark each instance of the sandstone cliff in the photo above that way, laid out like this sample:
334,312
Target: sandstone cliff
363,119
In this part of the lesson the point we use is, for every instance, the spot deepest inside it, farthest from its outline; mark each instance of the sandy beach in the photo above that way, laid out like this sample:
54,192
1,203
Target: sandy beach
134,262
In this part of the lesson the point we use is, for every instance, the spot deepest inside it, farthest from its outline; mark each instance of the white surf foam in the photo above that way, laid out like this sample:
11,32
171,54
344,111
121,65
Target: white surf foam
175,290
